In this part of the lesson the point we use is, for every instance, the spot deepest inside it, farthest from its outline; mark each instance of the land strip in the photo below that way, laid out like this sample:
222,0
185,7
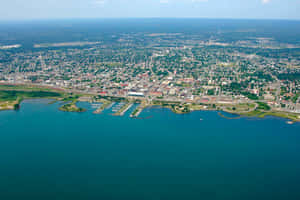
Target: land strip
12,95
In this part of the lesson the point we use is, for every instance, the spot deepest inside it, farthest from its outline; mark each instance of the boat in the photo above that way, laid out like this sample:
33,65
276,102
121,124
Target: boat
118,107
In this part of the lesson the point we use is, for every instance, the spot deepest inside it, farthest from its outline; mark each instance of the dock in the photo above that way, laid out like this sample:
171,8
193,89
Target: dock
123,109
137,111
118,107
105,105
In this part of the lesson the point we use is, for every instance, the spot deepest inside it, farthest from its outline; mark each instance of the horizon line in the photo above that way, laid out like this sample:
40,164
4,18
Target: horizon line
126,18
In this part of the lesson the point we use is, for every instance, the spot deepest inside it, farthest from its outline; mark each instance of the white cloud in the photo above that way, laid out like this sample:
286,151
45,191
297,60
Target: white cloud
266,1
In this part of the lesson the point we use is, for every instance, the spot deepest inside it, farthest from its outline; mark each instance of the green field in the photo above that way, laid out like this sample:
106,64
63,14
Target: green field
263,106
12,95
262,114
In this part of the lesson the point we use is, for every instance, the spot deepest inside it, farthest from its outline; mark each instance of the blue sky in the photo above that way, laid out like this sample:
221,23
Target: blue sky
60,9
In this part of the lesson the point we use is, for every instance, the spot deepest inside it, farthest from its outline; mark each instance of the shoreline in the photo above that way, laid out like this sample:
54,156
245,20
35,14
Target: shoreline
177,107
239,116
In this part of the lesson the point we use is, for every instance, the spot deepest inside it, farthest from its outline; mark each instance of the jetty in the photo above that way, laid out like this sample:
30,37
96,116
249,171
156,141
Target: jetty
123,109
105,105
137,111
222,115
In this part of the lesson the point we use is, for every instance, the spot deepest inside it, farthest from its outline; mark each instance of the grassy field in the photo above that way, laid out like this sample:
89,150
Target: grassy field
262,114
263,106
13,95
290,116
71,97
245,107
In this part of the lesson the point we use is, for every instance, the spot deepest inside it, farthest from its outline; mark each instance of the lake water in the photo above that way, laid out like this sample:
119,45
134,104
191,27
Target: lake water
49,154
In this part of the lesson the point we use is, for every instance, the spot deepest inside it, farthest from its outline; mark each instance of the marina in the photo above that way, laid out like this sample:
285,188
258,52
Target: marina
117,107
123,108
104,106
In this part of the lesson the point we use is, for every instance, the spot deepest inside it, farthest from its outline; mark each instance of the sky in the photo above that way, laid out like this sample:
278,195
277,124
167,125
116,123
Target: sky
74,9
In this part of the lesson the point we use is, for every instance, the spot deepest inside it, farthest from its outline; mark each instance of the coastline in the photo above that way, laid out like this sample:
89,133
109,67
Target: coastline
72,97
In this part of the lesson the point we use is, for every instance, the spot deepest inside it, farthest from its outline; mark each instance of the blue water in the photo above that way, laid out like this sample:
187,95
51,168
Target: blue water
49,154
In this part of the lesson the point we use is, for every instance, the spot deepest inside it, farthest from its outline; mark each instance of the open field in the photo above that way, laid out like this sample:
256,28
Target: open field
11,95
262,114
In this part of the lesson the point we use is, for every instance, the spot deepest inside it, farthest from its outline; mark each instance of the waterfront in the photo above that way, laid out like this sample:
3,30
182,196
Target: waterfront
49,154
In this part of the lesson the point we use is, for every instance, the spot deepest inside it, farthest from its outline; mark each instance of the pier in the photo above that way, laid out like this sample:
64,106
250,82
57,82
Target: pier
137,111
123,109
105,105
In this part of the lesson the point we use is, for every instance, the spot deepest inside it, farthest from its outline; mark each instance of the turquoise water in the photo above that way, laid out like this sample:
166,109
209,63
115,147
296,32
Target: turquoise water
49,154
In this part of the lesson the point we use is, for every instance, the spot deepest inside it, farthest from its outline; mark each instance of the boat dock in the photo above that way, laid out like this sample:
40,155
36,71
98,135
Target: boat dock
118,107
123,110
105,105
